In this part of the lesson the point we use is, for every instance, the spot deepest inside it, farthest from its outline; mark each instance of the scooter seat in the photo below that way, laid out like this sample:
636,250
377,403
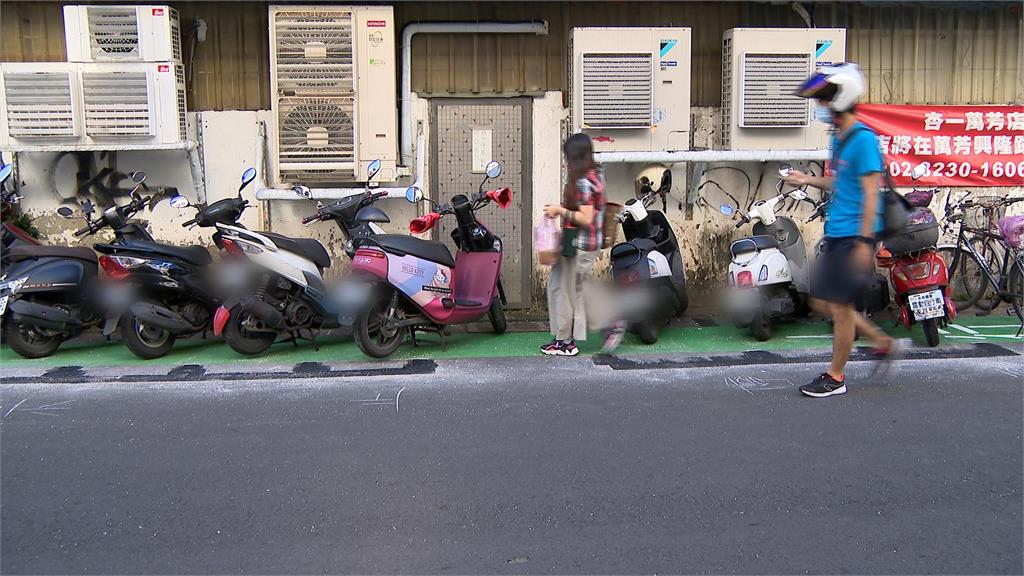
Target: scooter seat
753,244
400,245
19,253
196,255
307,247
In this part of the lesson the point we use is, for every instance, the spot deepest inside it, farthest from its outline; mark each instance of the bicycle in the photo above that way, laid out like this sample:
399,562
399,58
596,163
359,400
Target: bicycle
973,272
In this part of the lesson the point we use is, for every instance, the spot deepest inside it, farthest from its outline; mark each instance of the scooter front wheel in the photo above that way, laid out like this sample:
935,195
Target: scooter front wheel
375,331
28,341
931,332
647,331
241,335
497,316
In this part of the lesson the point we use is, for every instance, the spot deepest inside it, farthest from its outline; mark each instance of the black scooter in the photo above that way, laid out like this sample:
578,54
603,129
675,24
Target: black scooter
355,222
52,293
173,293
648,267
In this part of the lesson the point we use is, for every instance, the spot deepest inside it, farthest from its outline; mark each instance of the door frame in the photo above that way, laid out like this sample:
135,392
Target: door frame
525,104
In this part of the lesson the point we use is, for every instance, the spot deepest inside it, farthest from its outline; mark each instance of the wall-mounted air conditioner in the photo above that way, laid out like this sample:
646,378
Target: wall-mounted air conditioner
141,102
333,97
95,105
761,70
41,102
122,34
630,87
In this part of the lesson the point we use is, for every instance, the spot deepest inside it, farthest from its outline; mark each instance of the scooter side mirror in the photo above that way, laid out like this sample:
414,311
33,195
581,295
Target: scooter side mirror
138,177
727,209
493,169
248,176
798,195
372,170
87,206
178,201
303,191
919,171
66,212
413,194
5,172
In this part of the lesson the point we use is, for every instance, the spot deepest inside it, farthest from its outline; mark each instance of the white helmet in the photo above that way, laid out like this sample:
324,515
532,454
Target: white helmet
840,86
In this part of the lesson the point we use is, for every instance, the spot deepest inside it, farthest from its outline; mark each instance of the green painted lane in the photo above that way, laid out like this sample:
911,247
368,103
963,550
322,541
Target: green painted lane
716,339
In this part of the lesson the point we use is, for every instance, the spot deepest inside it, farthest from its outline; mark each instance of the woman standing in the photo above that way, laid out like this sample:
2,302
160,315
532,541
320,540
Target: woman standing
582,214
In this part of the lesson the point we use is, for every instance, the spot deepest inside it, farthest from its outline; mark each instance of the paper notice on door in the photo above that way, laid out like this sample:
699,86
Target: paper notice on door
481,149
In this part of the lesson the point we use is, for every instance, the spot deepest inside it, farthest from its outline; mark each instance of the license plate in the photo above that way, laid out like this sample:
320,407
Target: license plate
353,293
927,305
3,304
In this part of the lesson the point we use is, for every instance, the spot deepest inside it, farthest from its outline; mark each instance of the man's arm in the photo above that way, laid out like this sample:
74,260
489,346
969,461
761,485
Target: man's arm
869,183
800,179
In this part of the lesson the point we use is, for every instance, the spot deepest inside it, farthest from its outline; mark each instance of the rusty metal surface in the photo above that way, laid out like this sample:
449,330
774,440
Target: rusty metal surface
912,54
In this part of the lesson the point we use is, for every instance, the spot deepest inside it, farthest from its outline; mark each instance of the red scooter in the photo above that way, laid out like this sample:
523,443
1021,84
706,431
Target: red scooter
919,276
400,284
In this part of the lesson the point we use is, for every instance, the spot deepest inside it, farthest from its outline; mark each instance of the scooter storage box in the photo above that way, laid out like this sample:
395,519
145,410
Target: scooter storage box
922,232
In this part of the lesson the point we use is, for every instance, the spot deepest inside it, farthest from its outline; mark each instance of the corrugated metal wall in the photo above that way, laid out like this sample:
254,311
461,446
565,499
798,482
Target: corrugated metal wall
912,54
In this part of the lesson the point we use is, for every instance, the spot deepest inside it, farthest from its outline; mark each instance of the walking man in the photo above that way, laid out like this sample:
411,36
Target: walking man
853,219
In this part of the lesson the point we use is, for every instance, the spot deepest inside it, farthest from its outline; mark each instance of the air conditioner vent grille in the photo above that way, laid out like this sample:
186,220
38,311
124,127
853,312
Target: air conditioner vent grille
113,32
316,131
116,104
39,104
768,90
313,53
175,35
618,89
179,73
727,96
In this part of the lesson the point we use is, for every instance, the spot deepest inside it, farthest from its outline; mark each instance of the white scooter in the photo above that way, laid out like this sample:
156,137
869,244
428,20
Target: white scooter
769,275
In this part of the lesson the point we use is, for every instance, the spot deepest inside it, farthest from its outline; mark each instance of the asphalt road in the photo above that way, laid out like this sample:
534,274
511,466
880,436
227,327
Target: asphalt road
515,466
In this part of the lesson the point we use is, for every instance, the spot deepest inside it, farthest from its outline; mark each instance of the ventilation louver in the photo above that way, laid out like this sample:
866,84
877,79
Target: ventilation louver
618,90
314,87
39,104
113,33
768,89
116,104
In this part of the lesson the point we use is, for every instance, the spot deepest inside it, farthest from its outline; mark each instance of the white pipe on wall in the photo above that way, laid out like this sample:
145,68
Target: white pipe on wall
337,193
711,156
410,30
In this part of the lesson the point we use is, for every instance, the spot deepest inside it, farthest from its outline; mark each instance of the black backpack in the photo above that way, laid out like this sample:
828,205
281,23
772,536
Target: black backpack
897,208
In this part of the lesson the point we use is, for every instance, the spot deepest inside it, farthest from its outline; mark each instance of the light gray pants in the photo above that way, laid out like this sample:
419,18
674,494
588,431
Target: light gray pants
571,292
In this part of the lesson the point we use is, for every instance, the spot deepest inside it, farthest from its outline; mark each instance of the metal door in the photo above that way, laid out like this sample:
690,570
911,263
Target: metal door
464,128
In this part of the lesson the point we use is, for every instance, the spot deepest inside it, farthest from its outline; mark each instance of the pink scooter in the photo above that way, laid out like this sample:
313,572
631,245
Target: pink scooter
400,284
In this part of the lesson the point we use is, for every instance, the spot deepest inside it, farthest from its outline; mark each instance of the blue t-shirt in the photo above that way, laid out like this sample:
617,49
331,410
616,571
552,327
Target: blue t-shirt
858,157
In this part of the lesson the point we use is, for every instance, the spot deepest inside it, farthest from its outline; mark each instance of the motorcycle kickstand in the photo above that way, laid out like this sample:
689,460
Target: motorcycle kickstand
412,336
312,338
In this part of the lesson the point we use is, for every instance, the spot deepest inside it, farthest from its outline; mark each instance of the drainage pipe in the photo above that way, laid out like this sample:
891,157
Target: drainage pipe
711,156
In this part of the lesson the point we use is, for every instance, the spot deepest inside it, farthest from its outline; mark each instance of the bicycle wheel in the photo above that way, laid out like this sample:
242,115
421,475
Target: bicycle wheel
992,255
1015,286
966,280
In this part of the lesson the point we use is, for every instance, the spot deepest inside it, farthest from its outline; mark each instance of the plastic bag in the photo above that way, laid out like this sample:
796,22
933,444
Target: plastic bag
1012,228
547,241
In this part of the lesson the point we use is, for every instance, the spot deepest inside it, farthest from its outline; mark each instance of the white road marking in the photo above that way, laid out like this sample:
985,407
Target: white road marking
397,396
15,408
961,337
807,337
963,328
943,332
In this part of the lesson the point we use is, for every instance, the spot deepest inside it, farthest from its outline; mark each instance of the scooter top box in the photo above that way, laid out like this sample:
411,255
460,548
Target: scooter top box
922,232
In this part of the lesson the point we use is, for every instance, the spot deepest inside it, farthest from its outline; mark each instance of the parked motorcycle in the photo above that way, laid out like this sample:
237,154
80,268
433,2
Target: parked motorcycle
52,293
173,293
648,266
918,272
402,284
285,292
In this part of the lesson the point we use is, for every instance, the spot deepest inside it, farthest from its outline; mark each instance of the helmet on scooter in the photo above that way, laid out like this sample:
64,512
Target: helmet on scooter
653,178
839,87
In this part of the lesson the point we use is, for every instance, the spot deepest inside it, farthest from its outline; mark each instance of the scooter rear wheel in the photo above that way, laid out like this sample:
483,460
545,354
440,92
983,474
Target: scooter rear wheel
761,327
243,340
28,342
373,333
647,331
146,342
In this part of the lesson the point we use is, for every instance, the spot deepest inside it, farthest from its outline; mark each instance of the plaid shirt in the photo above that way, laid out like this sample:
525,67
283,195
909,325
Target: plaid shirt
590,191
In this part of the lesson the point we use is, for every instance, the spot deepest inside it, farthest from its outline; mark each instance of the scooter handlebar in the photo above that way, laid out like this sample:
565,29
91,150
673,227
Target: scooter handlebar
84,231
311,219
189,223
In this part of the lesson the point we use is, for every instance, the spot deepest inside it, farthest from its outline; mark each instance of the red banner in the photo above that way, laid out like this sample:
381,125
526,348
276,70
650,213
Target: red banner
960,145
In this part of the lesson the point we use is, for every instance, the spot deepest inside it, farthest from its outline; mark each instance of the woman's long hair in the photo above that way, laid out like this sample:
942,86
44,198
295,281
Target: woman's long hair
579,159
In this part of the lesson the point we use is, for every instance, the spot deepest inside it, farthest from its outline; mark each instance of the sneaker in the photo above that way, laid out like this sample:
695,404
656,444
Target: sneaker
885,356
823,386
550,346
613,336
558,348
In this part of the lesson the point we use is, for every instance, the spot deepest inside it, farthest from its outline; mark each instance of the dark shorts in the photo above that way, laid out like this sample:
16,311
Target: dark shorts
834,277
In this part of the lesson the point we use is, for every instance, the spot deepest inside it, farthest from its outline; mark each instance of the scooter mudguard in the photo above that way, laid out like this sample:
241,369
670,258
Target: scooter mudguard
221,316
